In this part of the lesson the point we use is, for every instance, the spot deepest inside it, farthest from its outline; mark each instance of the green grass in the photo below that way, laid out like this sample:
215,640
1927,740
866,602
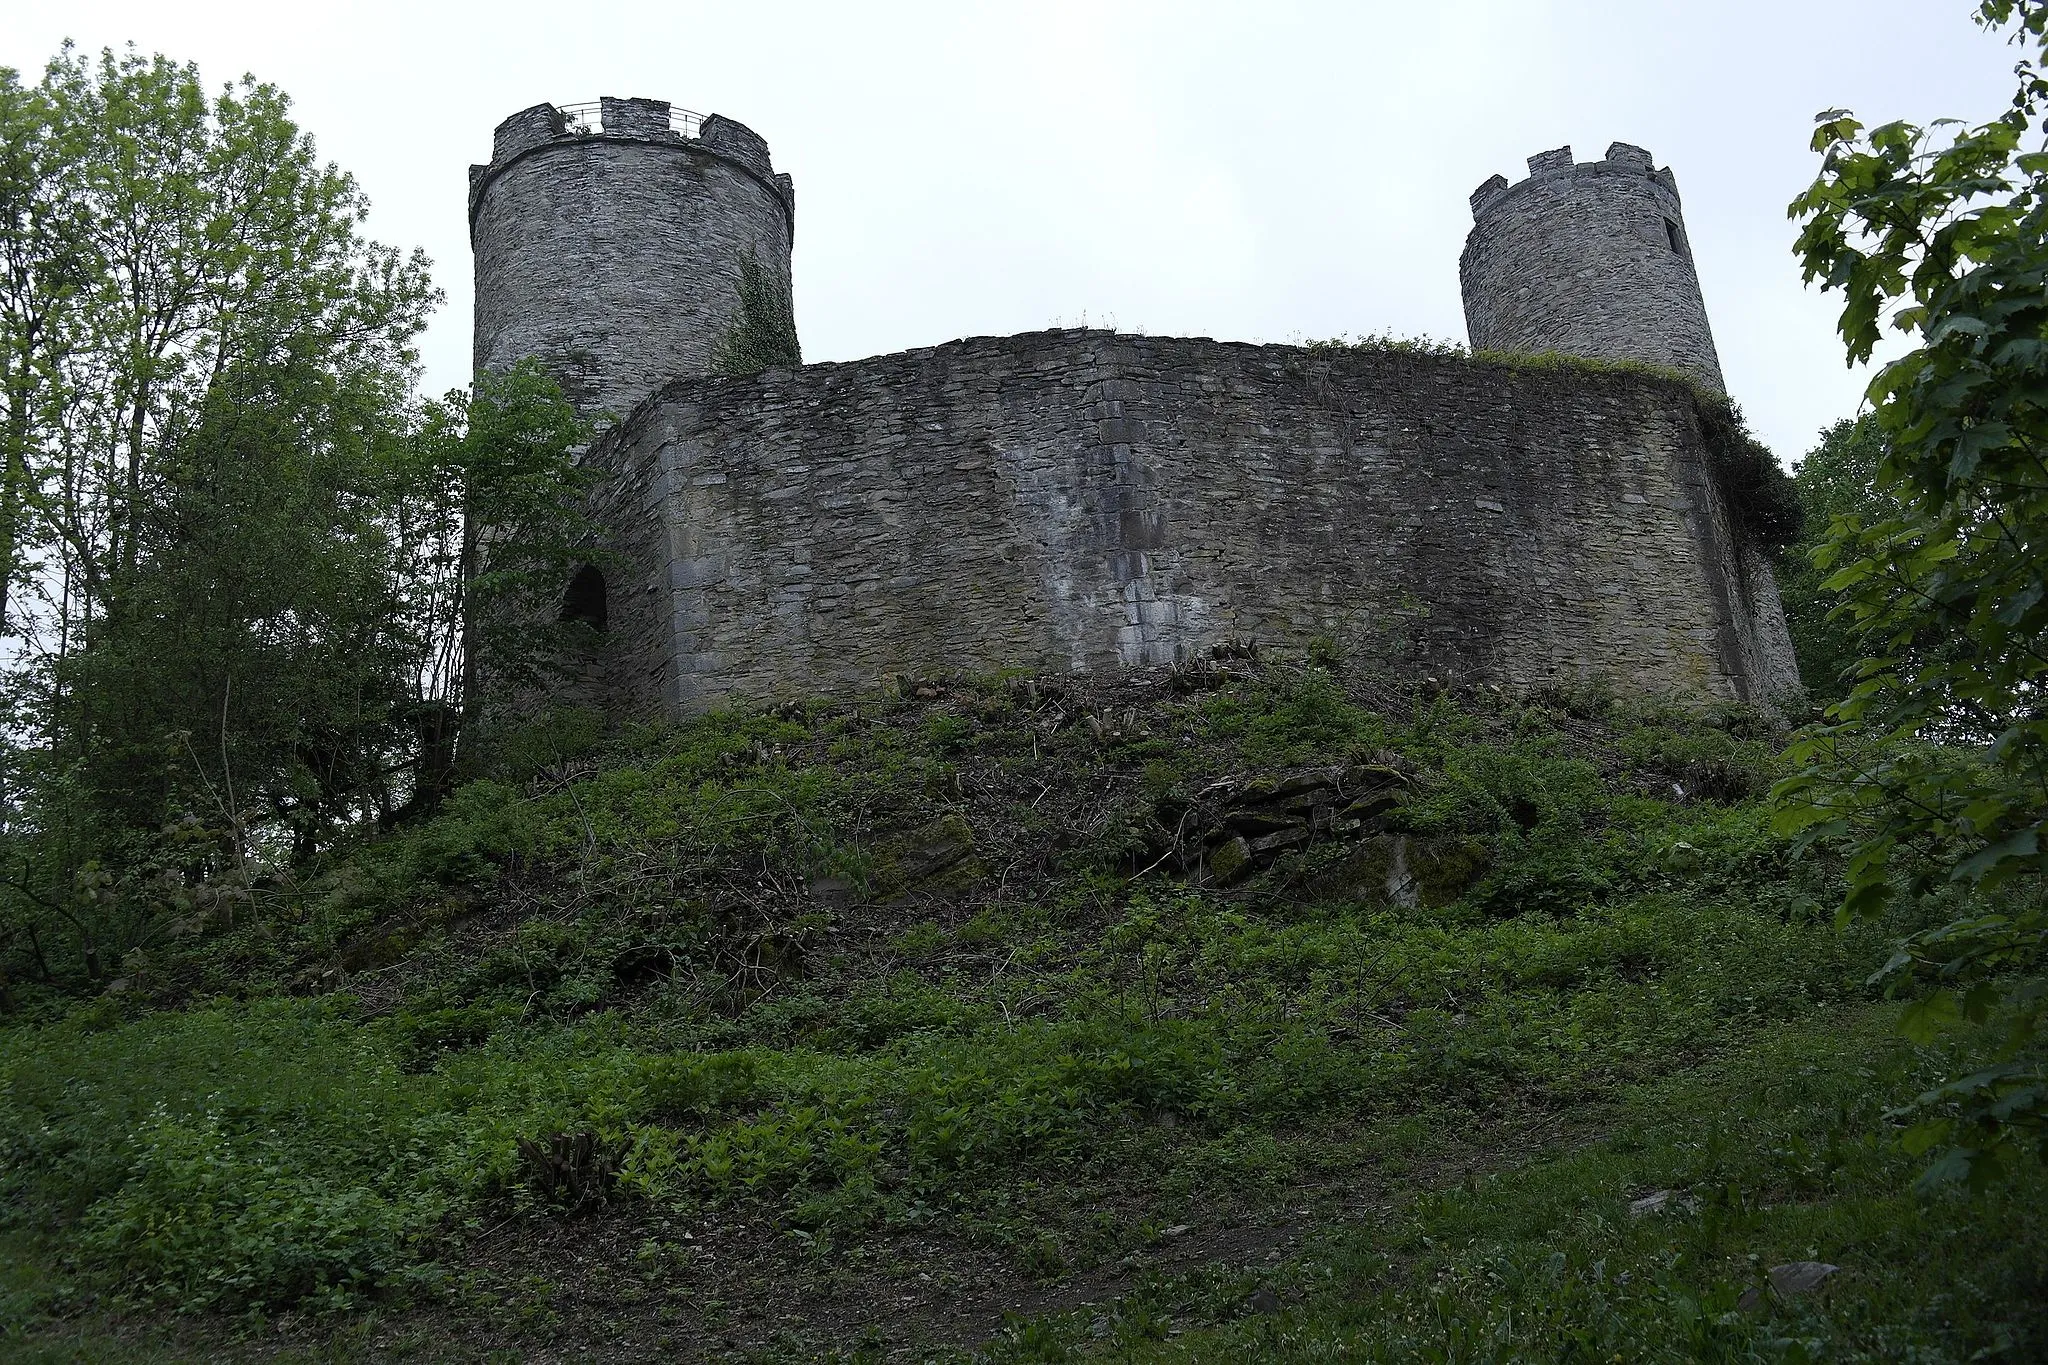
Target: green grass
875,982
1774,1156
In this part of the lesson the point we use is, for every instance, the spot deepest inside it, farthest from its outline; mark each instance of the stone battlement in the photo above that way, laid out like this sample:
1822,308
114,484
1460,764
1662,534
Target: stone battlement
1623,158
628,120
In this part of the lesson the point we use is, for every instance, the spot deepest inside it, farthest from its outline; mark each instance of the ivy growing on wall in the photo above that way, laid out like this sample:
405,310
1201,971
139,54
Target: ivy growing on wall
764,335
1761,496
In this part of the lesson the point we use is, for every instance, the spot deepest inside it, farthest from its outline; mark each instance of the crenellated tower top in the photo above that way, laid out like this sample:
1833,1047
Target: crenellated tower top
629,120
1590,259
612,239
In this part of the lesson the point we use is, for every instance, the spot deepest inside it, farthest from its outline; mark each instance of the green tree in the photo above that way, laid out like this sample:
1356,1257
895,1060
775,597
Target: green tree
1934,766
156,239
299,642
1838,478
257,579
254,665
491,529
289,659
44,269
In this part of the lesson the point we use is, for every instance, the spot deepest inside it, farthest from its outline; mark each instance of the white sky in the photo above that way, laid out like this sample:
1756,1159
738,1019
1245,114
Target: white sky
1258,171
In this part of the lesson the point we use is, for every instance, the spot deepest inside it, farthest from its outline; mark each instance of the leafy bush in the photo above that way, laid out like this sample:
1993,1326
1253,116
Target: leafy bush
205,1218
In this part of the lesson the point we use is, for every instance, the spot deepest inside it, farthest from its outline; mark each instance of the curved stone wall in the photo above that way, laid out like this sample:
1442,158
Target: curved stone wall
613,256
1589,259
1086,500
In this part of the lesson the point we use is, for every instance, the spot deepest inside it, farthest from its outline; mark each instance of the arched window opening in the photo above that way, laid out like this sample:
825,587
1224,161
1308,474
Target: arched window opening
585,599
1671,231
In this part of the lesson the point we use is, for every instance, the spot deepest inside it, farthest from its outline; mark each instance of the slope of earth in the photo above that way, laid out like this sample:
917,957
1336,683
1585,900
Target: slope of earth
1243,1009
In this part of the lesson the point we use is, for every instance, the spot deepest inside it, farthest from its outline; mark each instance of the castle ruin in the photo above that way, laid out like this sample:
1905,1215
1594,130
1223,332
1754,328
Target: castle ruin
1081,499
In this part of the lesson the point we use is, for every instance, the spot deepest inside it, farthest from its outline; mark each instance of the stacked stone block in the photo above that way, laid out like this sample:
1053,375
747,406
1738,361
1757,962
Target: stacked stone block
1084,500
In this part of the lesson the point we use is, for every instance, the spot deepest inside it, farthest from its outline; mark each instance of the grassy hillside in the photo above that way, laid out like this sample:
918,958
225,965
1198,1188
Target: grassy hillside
1248,1010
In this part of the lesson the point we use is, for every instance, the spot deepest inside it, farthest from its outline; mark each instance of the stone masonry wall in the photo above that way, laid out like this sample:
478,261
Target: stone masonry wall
1589,259
1080,500
614,256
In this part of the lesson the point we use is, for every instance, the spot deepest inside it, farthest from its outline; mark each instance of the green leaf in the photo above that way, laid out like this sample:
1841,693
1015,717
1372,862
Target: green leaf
1950,1168
1925,1136
1927,1018
1984,863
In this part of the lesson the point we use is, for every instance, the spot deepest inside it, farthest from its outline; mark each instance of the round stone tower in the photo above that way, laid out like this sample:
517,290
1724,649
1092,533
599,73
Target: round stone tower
1589,259
612,241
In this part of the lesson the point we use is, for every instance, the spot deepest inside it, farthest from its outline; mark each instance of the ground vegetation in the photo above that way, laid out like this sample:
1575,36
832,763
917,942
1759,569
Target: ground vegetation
1255,1002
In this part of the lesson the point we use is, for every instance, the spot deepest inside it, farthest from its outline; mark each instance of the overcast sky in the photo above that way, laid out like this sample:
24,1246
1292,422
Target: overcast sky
1259,171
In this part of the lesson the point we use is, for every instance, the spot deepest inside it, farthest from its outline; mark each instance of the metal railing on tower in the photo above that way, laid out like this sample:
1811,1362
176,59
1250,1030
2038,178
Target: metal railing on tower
587,118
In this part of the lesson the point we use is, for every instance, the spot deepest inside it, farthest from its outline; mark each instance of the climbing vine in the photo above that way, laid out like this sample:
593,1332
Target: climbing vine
764,335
